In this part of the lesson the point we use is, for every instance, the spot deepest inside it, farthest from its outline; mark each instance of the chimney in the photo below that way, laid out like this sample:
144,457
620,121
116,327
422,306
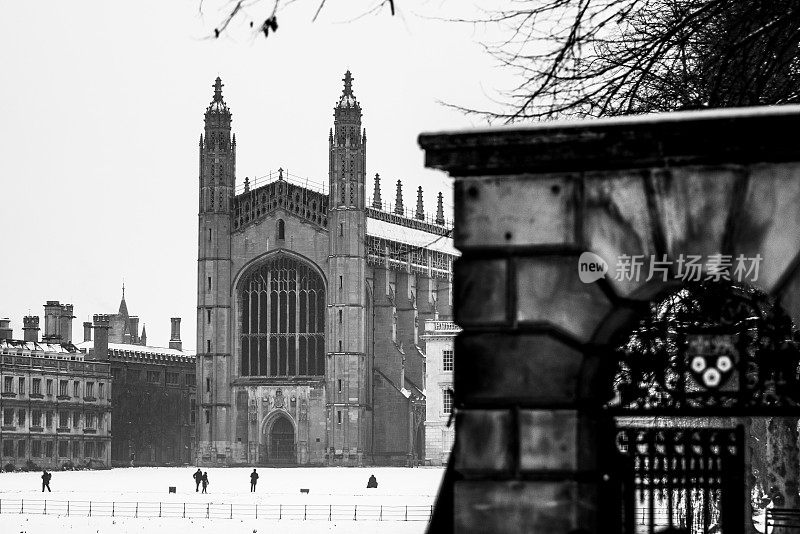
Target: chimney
5,329
101,326
134,322
65,323
175,337
30,326
52,322
87,331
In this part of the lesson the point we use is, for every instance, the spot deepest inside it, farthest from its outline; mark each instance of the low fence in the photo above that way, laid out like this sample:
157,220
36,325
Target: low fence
302,512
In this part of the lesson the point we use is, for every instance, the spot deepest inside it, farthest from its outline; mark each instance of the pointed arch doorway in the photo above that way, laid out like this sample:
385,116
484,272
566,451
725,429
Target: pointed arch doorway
280,441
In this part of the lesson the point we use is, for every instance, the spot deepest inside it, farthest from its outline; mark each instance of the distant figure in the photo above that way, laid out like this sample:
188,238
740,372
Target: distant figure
253,480
198,477
372,482
46,481
204,481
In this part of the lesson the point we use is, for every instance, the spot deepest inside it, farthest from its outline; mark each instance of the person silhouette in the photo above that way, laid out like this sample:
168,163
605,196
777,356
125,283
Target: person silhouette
46,480
372,482
204,481
253,480
198,477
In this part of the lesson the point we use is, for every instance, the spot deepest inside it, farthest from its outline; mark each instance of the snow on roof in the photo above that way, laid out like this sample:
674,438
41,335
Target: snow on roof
142,349
347,101
410,236
38,346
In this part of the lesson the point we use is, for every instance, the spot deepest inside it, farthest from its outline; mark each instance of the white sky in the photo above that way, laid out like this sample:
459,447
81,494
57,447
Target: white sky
101,109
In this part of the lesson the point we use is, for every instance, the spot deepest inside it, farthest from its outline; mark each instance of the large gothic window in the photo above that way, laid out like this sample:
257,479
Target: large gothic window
283,320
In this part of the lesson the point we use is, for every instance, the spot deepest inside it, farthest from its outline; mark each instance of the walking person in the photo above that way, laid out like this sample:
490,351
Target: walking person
204,481
198,477
253,480
46,480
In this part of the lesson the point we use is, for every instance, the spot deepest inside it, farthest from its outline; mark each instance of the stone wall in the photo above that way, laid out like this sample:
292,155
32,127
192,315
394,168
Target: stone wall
530,378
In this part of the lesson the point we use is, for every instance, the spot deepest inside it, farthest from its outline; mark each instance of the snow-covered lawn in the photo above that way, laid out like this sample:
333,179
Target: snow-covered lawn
397,487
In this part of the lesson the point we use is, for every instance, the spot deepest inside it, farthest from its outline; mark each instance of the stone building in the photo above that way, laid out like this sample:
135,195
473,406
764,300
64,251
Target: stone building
154,407
311,306
55,406
439,432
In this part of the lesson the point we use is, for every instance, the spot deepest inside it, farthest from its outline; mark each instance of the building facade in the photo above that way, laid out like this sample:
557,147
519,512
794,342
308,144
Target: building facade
154,405
439,431
311,307
55,406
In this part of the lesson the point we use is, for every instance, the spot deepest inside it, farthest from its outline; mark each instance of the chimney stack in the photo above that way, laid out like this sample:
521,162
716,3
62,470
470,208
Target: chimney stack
5,329
65,323
101,326
175,337
30,327
134,322
87,331
52,322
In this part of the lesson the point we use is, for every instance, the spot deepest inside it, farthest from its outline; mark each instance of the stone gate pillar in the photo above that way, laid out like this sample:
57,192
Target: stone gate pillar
530,379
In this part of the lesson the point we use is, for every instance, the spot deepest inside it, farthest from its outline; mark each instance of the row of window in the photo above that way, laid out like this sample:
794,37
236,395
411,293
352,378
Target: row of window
48,449
173,378
63,387
18,417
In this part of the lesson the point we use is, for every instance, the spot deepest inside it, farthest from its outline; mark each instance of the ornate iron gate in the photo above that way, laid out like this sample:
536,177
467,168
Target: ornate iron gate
690,479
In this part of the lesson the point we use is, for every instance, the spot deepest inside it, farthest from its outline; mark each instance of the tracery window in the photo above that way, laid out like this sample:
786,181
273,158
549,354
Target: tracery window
283,320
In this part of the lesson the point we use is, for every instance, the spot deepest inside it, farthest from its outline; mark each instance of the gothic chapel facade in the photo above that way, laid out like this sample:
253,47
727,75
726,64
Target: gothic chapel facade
311,308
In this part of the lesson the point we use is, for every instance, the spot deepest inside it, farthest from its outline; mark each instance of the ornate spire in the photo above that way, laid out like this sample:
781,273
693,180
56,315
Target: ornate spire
398,201
348,99
123,306
420,213
218,104
376,195
143,337
218,90
440,210
348,83
246,184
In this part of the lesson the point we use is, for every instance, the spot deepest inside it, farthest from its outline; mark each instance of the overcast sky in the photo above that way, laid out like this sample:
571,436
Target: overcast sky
101,109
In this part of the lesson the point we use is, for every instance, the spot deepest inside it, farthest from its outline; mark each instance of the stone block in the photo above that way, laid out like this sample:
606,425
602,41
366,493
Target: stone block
515,210
554,507
549,290
529,368
548,440
484,441
480,291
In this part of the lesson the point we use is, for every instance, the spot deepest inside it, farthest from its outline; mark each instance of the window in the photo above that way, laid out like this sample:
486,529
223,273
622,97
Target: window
209,283
208,345
76,449
36,386
21,448
339,417
208,417
192,411
190,380
48,419
21,415
209,235
341,229
88,449
8,385
283,312
76,389
36,418
340,316
208,315
173,378
90,389
21,389
340,385
154,377
281,229
62,449
208,385
36,448
8,447
8,417
101,389
341,281
62,388
63,419
447,360
90,420
76,419
340,345
48,449
100,449
447,401
49,386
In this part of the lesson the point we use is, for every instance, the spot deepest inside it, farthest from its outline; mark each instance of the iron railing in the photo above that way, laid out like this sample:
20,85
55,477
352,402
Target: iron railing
187,510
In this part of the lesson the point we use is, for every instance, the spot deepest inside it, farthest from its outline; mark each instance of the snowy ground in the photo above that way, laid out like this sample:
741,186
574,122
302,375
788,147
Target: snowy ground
340,489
